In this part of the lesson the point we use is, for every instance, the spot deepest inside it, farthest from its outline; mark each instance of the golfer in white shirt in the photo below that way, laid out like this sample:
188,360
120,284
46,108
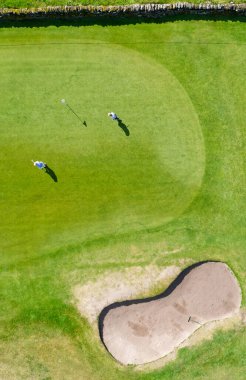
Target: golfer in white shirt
39,164
113,116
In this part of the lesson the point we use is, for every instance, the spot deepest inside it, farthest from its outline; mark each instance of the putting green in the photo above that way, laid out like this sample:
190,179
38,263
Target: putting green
107,182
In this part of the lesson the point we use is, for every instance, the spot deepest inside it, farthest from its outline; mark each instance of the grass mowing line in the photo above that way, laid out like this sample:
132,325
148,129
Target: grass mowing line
122,43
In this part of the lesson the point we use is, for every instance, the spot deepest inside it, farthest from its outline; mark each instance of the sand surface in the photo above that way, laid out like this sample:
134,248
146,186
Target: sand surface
143,332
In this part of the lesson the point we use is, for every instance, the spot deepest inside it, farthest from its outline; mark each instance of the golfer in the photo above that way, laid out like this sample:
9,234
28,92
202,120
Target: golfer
39,164
113,116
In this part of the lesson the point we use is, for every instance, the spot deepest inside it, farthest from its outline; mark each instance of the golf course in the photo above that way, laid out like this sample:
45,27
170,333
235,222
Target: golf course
164,188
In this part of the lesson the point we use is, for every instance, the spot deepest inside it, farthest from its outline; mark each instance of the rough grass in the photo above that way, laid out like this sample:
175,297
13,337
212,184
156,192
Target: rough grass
43,3
53,234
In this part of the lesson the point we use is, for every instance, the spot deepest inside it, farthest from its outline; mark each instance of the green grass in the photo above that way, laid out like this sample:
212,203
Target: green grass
176,182
44,3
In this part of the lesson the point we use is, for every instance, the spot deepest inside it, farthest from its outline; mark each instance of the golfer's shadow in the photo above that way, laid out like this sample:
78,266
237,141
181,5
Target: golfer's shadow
123,127
51,173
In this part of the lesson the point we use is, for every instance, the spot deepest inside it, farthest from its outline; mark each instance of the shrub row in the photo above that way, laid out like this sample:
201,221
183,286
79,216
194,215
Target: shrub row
141,10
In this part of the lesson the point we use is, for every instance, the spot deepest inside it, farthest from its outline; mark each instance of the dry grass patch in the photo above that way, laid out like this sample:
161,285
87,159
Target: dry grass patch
110,287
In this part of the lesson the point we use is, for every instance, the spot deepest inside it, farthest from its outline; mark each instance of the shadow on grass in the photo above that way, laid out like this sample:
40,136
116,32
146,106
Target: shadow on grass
164,294
116,20
123,127
51,173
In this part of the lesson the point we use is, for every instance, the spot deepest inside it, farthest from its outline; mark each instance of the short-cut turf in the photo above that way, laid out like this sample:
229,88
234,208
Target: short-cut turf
175,183
107,182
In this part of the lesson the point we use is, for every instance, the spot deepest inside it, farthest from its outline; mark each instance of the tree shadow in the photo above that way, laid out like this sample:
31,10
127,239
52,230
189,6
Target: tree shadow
79,19
123,127
51,173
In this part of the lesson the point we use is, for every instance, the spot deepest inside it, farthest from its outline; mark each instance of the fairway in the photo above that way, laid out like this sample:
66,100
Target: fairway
175,184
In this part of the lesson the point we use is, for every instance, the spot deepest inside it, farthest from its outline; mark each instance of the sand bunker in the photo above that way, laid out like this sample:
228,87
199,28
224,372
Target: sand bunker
141,331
